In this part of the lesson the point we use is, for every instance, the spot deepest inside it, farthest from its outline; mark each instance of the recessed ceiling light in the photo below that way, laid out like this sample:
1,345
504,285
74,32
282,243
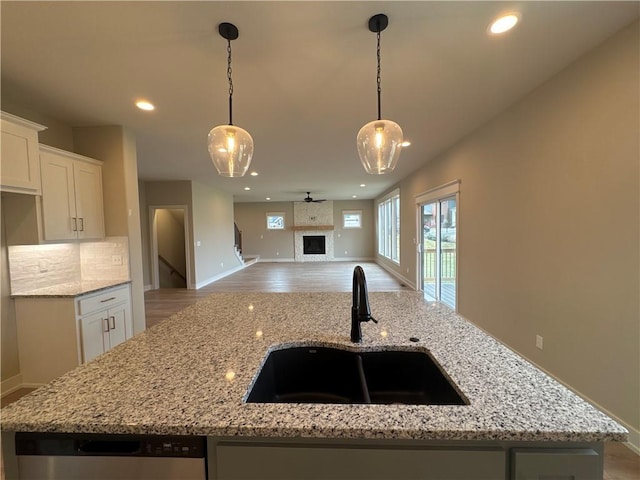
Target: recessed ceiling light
144,105
268,198
254,174
354,196
362,185
406,143
504,23
247,188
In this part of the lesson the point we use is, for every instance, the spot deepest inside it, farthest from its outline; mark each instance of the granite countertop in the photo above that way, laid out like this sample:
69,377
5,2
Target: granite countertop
72,289
175,378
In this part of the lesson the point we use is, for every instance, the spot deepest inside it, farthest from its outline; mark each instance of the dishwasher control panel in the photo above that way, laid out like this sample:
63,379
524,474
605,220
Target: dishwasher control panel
70,444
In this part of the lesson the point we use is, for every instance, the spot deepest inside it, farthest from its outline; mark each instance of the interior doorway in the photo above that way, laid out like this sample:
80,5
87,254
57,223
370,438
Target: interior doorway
170,252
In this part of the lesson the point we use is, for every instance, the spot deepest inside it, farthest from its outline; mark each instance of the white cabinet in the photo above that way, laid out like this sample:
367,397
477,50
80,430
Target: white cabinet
56,334
107,327
72,205
20,169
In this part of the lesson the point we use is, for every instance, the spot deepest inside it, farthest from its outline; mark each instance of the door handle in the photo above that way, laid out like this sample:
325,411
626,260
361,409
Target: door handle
81,224
106,325
74,228
113,322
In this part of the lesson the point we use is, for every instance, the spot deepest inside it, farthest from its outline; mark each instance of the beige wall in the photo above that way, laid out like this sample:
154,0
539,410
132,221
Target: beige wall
210,222
164,195
213,228
354,243
548,229
278,245
270,245
10,366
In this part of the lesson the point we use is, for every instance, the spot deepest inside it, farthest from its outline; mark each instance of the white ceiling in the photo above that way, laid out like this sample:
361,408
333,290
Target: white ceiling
304,78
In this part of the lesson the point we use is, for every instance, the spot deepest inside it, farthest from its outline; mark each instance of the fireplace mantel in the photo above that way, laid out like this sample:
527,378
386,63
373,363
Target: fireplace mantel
312,227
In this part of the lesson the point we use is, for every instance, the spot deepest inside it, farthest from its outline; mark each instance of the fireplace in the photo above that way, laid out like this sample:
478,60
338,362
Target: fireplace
313,245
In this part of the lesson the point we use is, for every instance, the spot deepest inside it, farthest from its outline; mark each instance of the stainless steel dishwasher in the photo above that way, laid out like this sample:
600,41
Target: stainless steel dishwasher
54,456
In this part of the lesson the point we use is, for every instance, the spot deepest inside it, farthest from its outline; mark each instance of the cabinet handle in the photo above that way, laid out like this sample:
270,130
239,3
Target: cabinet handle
75,224
107,299
81,224
113,322
106,324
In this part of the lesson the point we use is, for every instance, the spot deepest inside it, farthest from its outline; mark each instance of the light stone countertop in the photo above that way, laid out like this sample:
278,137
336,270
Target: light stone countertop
174,378
72,289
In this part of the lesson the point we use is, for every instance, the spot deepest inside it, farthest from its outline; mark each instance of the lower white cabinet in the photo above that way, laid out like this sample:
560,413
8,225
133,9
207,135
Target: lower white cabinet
103,330
56,334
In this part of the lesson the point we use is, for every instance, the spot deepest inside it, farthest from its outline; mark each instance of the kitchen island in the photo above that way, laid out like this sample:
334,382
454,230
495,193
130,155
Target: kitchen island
190,375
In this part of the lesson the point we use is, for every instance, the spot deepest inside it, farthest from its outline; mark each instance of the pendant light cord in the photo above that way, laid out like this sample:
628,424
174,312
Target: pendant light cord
230,82
378,78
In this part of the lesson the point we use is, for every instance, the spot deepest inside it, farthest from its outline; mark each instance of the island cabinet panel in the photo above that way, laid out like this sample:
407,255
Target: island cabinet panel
72,201
20,169
567,464
352,462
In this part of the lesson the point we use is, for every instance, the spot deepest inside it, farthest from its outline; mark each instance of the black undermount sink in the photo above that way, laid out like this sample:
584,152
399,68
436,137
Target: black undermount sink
332,375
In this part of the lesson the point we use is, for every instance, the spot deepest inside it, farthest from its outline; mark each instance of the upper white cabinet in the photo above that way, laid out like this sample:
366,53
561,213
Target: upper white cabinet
20,169
72,205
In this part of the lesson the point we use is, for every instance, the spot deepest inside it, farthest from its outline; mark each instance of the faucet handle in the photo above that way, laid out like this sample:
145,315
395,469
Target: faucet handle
371,318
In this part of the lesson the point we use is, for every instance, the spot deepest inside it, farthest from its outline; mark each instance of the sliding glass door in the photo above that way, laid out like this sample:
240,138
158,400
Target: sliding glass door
438,252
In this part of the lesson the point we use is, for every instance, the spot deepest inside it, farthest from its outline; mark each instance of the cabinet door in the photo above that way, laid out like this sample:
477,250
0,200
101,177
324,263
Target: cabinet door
95,335
117,325
58,197
561,464
20,172
88,200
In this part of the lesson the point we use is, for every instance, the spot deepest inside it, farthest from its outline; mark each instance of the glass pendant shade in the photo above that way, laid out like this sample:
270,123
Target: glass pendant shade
379,146
231,149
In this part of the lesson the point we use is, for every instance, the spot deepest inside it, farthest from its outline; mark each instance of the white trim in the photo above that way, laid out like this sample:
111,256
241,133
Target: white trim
10,385
391,194
148,287
153,234
353,259
219,276
277,260
275,214
352,212
395,274
437,193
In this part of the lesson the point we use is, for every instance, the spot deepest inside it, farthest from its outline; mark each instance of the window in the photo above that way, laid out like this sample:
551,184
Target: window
275,221
352,219
389,226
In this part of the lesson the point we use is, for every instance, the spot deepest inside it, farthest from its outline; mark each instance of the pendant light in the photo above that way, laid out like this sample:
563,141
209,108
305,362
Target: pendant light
230,146
380,141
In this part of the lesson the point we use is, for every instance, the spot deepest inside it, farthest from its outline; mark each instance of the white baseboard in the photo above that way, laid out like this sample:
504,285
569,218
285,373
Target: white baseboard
634,434
277,259
148,287
10,385
219,276
399,277
353,259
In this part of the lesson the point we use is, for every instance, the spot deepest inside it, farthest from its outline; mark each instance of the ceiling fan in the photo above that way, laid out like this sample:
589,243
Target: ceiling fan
308,199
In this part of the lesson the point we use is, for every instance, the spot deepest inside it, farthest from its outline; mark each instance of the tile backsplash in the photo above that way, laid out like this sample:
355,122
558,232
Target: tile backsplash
33,267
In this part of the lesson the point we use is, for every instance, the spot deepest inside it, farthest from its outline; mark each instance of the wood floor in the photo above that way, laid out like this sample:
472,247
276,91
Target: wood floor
272,277
620,462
